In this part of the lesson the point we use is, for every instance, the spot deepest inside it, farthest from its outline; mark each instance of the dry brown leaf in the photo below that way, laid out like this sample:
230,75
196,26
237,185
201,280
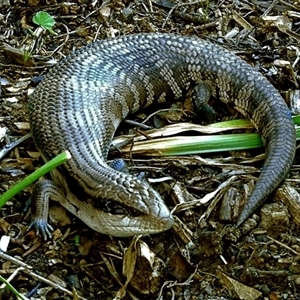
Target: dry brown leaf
240,290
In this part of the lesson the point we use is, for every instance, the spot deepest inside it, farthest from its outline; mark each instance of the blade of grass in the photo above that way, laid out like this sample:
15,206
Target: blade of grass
187,145
50,165
13,290
296,120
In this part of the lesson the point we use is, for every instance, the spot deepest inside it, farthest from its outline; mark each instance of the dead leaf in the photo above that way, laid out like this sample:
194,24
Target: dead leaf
240,290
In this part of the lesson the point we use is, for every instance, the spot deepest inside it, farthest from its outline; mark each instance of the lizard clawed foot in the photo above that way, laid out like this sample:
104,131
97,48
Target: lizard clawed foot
41,226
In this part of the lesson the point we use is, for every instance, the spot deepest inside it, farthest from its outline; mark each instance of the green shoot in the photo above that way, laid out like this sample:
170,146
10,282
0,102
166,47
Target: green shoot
13,290
44,20
50,165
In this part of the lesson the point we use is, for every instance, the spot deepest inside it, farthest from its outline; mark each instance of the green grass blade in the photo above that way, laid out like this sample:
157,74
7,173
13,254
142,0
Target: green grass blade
187,145
12,289
296,120
50,165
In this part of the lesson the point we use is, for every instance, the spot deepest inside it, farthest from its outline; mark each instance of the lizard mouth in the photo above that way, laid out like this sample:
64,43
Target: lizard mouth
125,226
118,220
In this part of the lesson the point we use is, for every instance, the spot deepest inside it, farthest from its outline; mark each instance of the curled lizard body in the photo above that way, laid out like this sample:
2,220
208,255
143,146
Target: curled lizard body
83,99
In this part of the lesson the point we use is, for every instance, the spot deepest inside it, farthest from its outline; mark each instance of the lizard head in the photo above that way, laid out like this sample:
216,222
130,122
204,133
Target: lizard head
126,206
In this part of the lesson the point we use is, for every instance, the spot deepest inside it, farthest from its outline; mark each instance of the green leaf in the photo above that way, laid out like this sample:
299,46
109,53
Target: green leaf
26,55
189,145
44,20
9,286
50,165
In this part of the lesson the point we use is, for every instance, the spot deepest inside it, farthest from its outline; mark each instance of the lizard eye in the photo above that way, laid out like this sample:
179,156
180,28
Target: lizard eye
112,207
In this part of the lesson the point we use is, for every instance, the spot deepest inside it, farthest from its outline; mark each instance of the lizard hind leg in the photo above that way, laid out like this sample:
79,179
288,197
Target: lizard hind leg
119,164
201,94
42,191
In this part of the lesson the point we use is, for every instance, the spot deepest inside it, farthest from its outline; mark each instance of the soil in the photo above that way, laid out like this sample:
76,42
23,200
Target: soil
204,256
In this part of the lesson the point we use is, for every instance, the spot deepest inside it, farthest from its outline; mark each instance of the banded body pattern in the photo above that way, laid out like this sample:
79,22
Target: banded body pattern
83,99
